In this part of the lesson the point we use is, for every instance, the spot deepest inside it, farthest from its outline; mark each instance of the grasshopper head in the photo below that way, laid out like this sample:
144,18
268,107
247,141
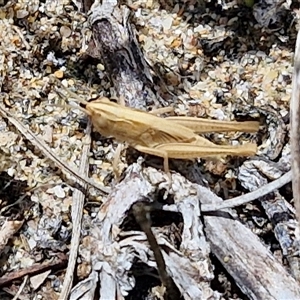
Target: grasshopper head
99,112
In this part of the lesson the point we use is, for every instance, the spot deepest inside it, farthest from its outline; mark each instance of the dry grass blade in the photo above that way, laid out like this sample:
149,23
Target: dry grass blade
45,149
295,128
77,212
16,297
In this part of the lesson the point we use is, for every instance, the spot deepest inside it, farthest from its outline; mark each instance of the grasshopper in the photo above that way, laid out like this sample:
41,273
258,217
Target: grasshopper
173,137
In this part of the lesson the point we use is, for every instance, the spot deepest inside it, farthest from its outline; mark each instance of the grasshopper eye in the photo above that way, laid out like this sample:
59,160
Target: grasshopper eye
92,99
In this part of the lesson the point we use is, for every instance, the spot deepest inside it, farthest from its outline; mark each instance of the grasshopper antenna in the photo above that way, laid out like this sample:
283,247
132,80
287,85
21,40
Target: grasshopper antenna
69,92
72,105
70,96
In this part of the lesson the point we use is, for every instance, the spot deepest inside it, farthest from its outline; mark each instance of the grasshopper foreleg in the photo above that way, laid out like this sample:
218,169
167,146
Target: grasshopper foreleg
156,152
116,160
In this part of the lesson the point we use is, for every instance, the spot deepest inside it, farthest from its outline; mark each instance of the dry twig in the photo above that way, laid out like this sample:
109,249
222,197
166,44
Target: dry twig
58,263
260,192
295,128
141,213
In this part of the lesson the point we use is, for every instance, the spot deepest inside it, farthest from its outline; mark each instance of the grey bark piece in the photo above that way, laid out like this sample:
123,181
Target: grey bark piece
255,270
256,173
124,62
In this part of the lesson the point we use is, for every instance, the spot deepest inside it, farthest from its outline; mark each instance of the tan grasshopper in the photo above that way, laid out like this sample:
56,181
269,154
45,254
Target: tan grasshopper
173,137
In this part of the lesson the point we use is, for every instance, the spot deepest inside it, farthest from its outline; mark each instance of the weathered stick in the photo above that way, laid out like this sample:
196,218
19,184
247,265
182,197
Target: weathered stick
254,268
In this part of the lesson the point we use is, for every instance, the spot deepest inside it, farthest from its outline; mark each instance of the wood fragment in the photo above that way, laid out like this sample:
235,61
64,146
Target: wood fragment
274,205
232,242
112,249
